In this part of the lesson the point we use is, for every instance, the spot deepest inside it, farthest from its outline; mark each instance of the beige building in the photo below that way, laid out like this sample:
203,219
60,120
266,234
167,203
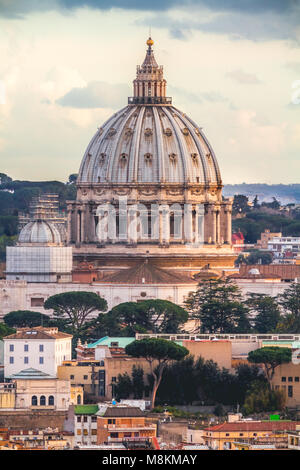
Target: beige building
38,391
34,390
262,243
98,375
287,378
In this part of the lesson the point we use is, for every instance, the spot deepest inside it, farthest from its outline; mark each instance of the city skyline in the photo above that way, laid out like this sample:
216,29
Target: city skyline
67,68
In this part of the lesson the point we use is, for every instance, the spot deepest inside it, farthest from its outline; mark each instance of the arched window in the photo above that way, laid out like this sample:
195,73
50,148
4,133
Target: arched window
43,400
78,399
34,400
51,400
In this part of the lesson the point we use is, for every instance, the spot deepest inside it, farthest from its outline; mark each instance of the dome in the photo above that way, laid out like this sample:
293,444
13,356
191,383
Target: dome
254,272
149,144
40,232
149,185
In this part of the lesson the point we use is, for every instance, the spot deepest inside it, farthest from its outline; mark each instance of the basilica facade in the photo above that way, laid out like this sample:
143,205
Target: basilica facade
149,190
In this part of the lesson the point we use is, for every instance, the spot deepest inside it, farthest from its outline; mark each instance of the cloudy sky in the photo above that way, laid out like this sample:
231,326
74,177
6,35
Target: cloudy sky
232,65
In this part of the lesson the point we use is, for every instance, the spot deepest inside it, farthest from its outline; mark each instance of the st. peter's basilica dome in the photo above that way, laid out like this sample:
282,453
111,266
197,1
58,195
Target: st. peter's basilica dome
157,159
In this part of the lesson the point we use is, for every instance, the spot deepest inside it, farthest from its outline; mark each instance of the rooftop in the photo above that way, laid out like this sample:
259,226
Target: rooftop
85,409
31,374
249,426
39,332
111,342
123,412
148,273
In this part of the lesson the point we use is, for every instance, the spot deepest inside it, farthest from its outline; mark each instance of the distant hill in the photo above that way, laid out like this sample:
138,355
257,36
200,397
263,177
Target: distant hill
285,193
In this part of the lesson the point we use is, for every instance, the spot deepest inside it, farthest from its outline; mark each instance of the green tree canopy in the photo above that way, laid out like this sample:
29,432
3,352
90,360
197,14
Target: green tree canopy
290,304
240,204
270,357
218,305
158,353
4,178
261,398
72,309
5,330
26,318
265,311
152,316
259,257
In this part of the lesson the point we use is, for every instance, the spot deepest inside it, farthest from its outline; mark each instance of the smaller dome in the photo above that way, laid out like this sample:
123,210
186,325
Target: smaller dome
40,232
254,272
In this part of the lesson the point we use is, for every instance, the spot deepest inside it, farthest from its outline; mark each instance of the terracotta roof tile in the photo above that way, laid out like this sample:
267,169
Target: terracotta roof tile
148,273
123,412
38,332
254,426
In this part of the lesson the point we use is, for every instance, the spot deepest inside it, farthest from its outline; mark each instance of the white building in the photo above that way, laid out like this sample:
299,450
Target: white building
39,255
85,424
283,247
38,348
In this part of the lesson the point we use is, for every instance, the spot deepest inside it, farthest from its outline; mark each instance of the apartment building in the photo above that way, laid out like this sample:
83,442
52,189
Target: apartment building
39,348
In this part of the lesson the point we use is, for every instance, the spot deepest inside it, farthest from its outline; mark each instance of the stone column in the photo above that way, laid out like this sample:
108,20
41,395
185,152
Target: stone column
101,229
132,224
218,226
214,225
140,85
196,224
165,223
160,226
93,237
228,226
152,88
82,224
188,223
69,224
78,222
200,223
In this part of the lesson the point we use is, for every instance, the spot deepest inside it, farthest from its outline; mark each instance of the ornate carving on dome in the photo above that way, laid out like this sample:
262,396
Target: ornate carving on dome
168,132
128,132
84,192
100,130
112,131
208,155
102,158
148,132
173,157
185,131
197,131
194,157
148,157
123,158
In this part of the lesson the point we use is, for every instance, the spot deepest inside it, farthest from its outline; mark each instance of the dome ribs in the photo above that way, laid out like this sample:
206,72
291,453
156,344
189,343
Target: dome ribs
161,176
181,160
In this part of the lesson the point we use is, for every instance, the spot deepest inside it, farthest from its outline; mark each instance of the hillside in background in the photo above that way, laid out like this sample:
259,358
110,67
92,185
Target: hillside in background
285,193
